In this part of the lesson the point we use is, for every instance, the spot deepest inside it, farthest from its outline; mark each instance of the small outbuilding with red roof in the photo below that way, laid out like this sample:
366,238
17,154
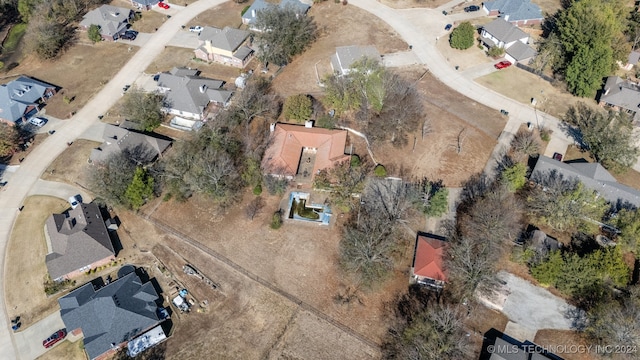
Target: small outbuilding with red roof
428,260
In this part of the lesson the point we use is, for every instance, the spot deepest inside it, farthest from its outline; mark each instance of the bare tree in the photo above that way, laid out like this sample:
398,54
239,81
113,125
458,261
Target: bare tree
497,216
390,197
460,140
254,207
524,143
617,324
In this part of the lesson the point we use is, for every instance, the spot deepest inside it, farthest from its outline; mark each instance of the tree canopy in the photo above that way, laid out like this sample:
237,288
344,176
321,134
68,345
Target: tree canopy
9,139
94,33
462,36
298,108
144,108
283,34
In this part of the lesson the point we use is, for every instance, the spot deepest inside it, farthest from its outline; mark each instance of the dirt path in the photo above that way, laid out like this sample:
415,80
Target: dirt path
302,304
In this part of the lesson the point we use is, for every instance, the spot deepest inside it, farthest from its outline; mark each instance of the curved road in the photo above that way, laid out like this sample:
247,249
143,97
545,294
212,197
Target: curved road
37,162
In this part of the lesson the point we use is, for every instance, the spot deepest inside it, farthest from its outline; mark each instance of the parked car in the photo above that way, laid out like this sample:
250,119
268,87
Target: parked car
502,65
128,36
74,201
132,32
472,8
163,5
557,156
196,29
54,338
448,27
37,121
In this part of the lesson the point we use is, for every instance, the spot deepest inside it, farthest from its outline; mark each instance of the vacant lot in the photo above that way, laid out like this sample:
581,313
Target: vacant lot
338,25
25,268
521,86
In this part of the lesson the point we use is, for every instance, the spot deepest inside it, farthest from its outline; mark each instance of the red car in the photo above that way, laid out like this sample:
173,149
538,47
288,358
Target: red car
502,65
163,5
54,338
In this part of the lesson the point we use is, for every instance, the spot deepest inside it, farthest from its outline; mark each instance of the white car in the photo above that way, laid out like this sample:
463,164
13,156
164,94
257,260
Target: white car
195,29
74,201
38,121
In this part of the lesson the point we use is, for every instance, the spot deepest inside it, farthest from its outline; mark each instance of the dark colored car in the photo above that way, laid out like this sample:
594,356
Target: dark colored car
557,156
502,65
128,36
448,27
54,338
131,32
472,8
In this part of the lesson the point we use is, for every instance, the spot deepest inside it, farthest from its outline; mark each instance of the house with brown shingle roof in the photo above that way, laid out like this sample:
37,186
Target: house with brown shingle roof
77,242
428,260
300,152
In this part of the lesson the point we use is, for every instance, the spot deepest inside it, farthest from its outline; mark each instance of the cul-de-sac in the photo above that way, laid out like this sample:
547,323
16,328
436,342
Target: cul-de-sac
319,179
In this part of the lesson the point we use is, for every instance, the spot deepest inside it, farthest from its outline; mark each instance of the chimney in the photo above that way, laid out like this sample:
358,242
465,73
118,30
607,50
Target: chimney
253,13
308,124
203,88
272,127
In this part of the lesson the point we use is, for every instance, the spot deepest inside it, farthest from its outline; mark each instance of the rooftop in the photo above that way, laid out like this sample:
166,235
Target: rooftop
428,259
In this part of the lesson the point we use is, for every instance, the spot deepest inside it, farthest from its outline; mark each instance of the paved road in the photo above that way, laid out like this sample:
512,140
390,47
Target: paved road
36,163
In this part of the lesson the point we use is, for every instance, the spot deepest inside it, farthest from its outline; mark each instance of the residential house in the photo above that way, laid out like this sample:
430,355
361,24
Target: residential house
249,16
113,21
144,4
505,347
621,95
110,316
225,46
189,95
517,12
77,241
632,60
346,56
21,99
428,260
118,138
505,35
592,175
300,152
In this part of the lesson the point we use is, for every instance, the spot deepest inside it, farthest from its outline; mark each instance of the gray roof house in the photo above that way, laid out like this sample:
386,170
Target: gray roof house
505,35
517,12
622,95
508,348
118,138
189,95
592,175
225,46
346,56
112,315
76,240
144,4
111,20
21,98
249,16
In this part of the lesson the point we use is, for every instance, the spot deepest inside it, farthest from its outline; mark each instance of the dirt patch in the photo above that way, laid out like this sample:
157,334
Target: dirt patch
25,268
71,166
408,4
338,26
76,73
227,14
521,86
436,154
564,339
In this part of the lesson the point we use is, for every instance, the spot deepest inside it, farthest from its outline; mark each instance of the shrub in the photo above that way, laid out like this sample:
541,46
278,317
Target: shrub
275,186
462,36
94,33
515,176
66,99
325,121
380,171
276,220
355,160
495,51
545,135
257,190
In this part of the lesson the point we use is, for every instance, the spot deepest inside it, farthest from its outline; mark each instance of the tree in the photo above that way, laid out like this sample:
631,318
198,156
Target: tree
497,215
469,262
143,108
617,324
254,207
140,189
284,33
564,204
46,38
609,137
462,36
628,222
94,33
343,180
431,198
298,107
524,144
9,139
514,177
111,178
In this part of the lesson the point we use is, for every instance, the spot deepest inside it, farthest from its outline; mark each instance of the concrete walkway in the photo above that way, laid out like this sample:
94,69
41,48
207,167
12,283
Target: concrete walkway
27,175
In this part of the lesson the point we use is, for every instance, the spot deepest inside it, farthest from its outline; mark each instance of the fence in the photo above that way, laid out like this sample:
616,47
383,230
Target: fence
536,72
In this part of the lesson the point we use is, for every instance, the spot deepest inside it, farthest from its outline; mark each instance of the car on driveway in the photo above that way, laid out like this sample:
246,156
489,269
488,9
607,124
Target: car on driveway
128,36
163,5
37,121
448,27
54,338
502,65
557,156
196,29
472,8
74,201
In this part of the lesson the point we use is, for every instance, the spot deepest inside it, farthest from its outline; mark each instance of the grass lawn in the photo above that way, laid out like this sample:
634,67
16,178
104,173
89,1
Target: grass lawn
15,34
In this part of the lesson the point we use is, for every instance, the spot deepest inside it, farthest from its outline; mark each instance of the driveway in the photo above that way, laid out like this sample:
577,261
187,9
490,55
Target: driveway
29,341
59,189
141,39
400,59
479,70
27,175
185,39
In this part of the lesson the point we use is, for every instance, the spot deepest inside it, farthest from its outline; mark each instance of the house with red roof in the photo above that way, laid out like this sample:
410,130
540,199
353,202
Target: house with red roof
428,260
299,152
